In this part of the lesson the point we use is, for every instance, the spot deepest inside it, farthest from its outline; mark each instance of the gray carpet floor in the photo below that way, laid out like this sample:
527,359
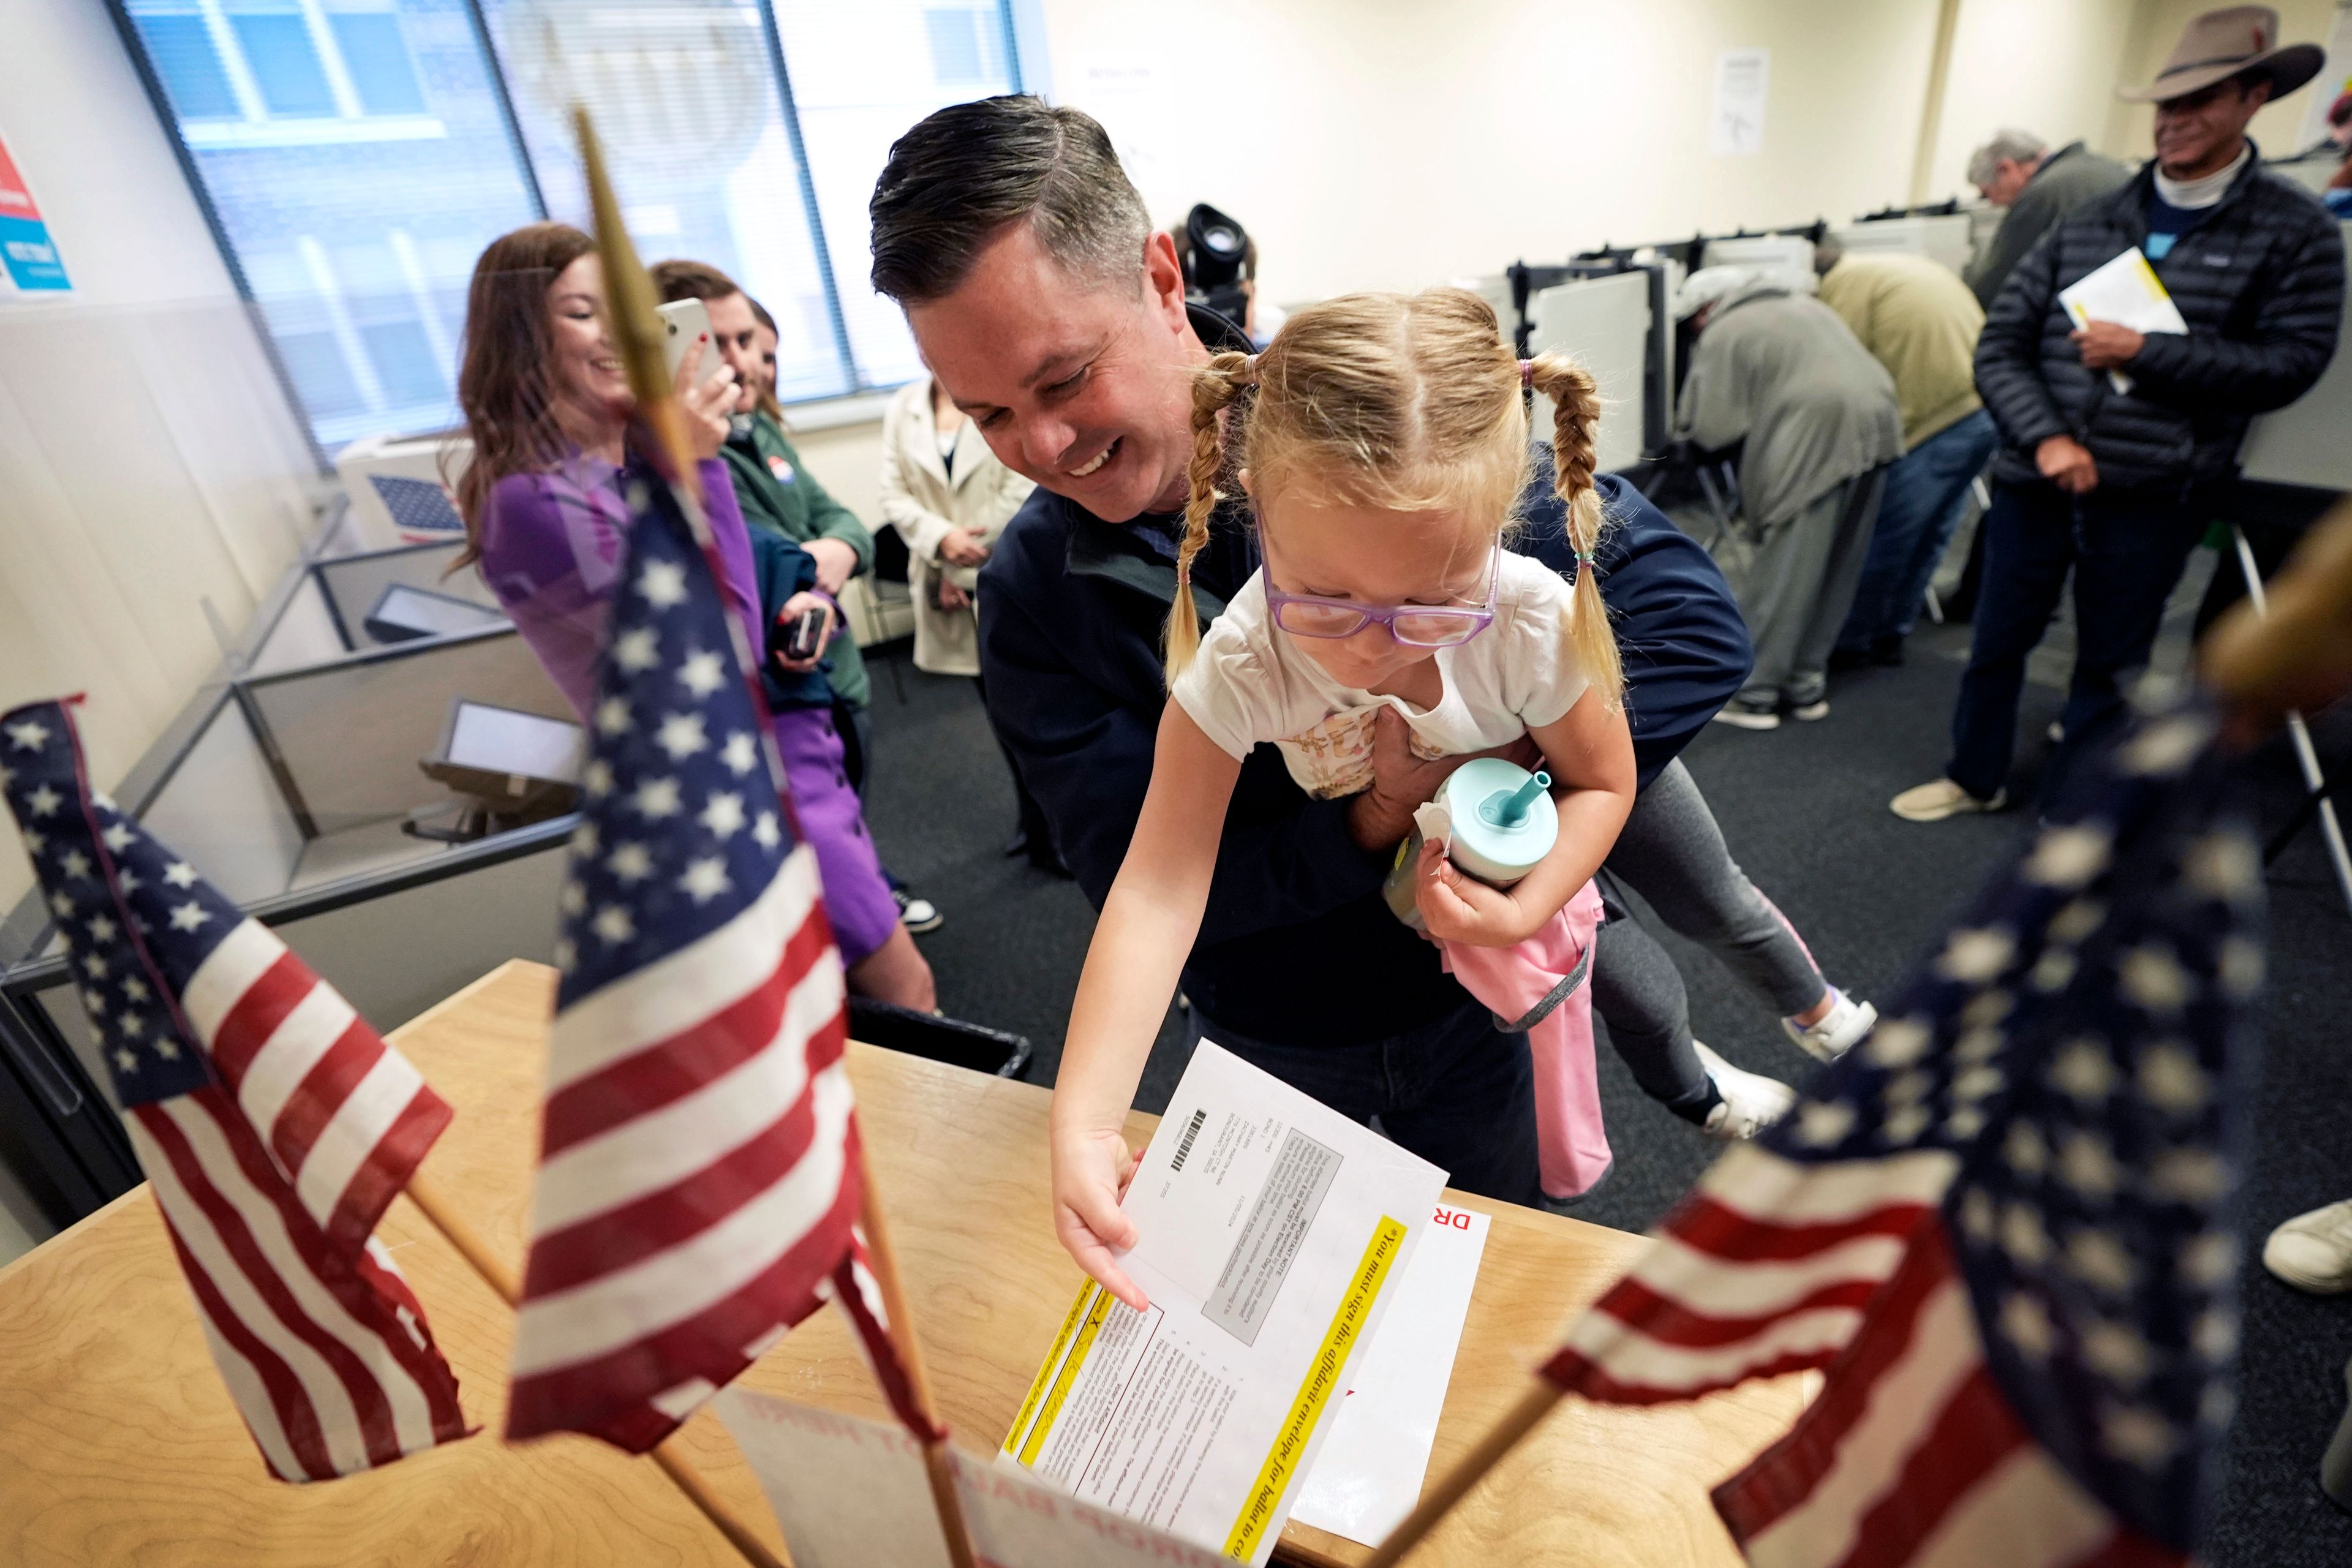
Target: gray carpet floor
1804,809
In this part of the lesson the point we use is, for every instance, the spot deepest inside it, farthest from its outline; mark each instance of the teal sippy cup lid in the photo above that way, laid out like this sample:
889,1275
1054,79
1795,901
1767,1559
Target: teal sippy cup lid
1503,819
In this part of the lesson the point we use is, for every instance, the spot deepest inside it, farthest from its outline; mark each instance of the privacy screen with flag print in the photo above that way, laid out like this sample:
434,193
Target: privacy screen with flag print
273,1124
2001,1224
698,1177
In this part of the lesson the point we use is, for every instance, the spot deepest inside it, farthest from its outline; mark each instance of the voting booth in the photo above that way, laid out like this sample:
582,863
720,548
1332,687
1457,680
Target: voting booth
291,782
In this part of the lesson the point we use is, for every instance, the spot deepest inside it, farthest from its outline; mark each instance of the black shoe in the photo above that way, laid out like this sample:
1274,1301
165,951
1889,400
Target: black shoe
1846,660
918,914
1886,652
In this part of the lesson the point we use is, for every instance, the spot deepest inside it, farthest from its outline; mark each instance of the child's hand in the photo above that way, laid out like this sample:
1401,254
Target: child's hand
1091,1170
1455,908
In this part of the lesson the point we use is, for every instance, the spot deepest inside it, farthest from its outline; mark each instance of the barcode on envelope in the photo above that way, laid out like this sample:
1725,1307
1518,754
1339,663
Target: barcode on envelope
1184,1144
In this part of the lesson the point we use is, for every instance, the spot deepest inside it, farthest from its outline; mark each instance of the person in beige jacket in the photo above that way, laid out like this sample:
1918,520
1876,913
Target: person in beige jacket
949,498
1920,321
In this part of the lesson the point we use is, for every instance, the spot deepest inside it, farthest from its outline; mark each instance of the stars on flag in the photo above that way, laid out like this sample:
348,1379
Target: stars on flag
741,753
29,736
44,801
637,649
2153,979
656,798
612,716
663,584
118,838
2083,1070
1976,955
180,874
2170,1079
765,832
189,916
705,879
2068,857
702,673
630,862
723,816
681,736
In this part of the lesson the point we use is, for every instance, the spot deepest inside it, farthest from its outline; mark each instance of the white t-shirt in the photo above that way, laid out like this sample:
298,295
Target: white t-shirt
1252,683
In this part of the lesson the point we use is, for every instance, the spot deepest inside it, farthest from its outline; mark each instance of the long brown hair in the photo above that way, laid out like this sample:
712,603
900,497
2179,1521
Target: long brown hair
1403,403
502,378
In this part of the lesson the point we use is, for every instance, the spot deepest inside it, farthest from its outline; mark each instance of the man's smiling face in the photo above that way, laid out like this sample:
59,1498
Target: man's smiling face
1084,386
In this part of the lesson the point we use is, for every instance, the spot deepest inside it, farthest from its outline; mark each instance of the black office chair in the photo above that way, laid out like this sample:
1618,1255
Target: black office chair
936,1039
889,586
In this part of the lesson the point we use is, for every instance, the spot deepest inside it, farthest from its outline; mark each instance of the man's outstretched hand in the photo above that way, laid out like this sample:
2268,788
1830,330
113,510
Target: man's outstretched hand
1380,818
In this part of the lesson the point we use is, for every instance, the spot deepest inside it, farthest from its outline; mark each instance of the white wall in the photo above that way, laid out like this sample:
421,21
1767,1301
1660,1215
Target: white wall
148,461
2050,68
1392,143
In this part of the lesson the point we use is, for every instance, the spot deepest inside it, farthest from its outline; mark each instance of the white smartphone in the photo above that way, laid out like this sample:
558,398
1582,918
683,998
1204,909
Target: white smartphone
682,322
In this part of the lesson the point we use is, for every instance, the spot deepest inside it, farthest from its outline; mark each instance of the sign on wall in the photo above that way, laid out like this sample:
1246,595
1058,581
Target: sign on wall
27,250
1742,78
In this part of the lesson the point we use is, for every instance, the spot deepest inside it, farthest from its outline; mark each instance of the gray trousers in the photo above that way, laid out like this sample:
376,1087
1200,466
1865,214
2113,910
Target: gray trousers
1795,585
1672,853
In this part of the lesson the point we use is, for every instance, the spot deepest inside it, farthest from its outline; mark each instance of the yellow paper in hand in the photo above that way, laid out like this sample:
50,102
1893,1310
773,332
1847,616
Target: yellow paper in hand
2127,292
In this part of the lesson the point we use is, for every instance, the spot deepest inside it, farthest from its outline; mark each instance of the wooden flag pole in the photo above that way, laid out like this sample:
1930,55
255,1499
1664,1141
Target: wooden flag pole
937,1463
1455,1484
503,1278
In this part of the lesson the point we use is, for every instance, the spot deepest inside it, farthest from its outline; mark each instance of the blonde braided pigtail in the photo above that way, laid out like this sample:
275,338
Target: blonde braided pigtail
1575,431
1214,386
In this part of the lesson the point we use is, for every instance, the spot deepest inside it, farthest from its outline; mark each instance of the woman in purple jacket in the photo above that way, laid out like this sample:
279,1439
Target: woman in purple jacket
549,410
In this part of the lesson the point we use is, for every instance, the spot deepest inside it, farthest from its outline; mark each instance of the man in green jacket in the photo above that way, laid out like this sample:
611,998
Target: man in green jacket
777,493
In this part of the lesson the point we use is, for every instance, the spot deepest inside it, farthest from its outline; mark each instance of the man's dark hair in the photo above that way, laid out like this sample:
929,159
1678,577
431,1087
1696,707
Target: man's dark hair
959,178
676,280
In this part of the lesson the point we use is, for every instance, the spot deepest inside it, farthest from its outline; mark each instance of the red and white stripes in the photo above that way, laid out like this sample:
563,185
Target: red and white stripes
698,1182
324,1348
1766,1268
345,1116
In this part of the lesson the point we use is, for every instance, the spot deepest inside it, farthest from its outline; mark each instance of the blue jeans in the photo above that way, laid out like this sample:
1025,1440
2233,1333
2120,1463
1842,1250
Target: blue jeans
1927,491
1457,1092
2127,549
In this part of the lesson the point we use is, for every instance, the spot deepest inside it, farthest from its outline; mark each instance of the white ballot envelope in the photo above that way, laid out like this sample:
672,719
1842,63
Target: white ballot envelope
2127,292
850,1493
1369,1475
1272,1232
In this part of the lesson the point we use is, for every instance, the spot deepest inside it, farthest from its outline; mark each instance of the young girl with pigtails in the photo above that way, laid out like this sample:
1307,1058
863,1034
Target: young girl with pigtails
1381,441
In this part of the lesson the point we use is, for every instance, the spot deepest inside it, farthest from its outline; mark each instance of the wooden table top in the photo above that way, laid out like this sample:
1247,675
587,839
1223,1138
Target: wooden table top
118,1444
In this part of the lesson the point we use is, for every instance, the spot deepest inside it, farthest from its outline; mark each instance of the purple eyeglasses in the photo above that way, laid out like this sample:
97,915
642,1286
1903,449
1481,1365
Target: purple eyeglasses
1414,625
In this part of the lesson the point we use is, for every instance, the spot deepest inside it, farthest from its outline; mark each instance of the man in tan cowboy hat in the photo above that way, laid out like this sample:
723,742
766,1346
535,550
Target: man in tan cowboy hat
2116,477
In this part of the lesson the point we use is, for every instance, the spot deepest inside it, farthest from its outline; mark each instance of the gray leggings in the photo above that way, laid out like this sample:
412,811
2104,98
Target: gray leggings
1673,855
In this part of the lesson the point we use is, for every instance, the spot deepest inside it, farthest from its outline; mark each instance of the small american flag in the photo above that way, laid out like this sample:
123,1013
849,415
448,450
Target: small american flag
698,1176
273,1124
2001,1224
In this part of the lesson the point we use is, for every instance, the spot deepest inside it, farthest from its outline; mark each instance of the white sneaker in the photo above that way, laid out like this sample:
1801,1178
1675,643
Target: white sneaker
1943,798
1837,1031
2313,1251
1748,716
1810,712
1751,1102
